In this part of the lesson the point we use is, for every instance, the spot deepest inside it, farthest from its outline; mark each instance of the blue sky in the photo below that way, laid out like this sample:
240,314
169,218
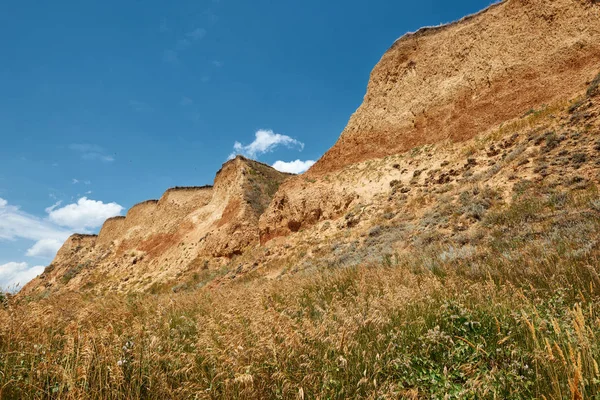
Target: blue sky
104,104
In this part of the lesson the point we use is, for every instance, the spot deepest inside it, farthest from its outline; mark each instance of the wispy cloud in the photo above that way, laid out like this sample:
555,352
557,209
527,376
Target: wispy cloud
265,141
190,109
140,106
293,167
15,224
196,34
171,56
49,233
53,206
91,152
186,101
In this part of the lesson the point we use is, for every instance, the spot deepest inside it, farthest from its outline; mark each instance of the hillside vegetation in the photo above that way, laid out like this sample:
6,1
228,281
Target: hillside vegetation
511,311
517,318
446,247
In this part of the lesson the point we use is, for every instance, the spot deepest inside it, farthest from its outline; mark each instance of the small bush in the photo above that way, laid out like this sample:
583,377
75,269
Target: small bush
551,140
72,273
375,231
573,107
578,159
523,210
388,215
475,202
594,87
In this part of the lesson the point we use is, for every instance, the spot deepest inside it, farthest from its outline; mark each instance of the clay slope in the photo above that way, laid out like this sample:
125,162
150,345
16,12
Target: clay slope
188,228
459,80
451,83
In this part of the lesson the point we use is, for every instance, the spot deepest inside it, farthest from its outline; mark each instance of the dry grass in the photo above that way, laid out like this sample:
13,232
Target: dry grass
508,307
516,317
530,119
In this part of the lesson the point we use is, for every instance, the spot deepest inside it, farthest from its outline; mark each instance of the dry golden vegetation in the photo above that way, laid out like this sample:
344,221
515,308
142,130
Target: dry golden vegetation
494,293
515,314
446,247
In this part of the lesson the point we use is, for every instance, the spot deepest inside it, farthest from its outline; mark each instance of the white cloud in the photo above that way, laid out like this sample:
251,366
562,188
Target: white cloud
45,248
265,141
15,223
294,167
53,206
50,233
15,275
98,156
84,214
91,152
75,181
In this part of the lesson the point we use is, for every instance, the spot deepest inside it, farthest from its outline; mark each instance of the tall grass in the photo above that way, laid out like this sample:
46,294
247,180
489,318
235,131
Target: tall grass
517,318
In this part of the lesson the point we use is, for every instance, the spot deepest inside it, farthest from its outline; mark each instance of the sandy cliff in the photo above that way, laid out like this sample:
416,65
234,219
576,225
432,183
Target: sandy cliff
448,84
188,227
447,111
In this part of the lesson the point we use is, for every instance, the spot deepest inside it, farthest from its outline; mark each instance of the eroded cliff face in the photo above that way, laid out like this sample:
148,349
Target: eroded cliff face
448,84
188,227
459,80
448,111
